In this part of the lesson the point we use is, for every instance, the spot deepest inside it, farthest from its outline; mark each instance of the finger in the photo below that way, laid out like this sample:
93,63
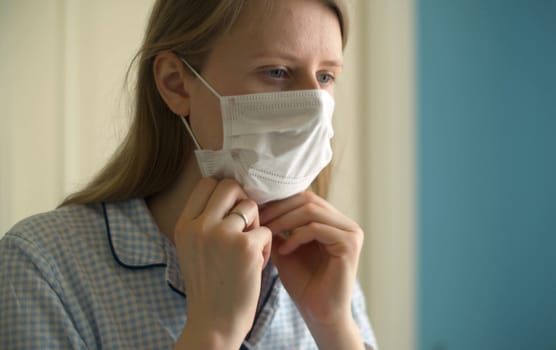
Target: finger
225,196
335,241
277,243
199,197
263,238
275,209
309,213
243,216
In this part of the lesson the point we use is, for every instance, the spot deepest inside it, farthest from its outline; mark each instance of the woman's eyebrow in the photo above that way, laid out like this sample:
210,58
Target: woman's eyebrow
293,58
334,63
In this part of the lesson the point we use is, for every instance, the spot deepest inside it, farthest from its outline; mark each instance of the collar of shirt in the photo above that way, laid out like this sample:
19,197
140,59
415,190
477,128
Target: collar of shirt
137,243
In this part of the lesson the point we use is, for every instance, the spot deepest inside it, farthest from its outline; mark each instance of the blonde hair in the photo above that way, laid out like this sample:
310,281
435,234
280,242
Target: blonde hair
151,157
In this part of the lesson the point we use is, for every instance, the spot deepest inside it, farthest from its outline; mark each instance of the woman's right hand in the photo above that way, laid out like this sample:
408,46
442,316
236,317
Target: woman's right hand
221,259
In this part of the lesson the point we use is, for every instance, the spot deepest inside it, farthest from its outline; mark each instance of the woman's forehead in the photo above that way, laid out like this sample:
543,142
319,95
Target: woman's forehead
288,27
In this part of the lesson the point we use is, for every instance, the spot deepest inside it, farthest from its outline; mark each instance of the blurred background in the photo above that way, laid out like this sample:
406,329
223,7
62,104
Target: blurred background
445,150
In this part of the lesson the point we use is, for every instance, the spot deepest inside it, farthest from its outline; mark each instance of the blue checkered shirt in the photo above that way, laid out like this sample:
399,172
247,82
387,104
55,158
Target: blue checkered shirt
104,277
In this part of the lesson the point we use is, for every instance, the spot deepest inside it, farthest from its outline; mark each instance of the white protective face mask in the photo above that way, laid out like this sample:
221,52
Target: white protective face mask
275,144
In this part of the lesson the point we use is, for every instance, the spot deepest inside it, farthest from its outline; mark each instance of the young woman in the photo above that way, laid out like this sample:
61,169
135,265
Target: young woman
201,232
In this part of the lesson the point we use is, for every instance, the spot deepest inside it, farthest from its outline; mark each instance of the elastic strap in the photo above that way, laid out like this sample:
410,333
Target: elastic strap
190,132
201,79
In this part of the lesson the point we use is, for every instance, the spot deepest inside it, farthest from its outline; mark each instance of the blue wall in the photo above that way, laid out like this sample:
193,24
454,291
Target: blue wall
487,186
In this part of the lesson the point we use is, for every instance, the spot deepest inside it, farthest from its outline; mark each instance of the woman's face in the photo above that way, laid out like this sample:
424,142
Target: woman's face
288,45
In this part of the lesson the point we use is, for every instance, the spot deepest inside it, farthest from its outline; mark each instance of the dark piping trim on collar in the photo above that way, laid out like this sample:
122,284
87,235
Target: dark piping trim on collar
109,233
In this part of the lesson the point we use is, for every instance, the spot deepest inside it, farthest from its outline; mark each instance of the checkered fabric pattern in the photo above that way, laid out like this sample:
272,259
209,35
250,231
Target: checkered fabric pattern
104,277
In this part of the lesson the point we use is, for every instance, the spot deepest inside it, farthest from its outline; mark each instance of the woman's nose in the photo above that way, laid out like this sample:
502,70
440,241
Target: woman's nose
306,82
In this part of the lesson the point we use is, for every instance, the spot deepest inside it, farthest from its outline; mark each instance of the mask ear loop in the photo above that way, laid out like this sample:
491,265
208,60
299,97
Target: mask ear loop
201,79
187,126
190,132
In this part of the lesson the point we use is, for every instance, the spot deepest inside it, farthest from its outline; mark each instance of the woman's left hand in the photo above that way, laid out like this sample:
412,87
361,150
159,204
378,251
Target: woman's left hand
317,262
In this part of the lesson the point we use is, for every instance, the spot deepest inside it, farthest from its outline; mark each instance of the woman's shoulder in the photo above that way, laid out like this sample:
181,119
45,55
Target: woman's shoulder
42,228
51,238
71,229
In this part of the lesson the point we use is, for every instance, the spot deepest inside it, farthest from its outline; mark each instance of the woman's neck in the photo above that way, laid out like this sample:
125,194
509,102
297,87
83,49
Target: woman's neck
167,206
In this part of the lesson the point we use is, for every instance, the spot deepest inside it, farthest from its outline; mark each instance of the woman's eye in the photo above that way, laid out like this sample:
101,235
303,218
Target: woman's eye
277,73
325,78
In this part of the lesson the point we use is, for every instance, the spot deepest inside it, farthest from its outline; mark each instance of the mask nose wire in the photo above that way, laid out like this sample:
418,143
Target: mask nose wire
201,79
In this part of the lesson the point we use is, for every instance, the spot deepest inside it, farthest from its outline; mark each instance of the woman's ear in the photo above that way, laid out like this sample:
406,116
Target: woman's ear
170,77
